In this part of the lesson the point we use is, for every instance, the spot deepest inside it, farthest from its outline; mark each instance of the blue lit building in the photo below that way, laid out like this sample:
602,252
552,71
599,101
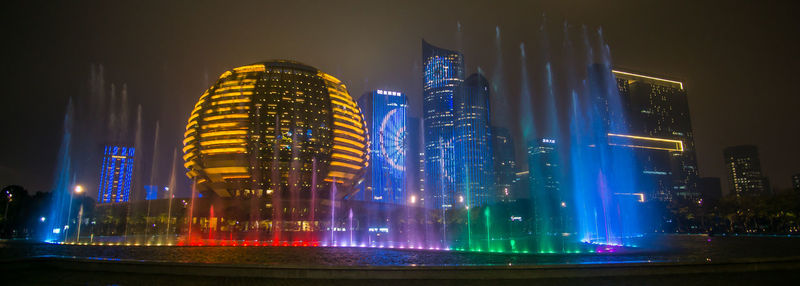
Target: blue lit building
385,114
443,72
155,192
115,174
473,142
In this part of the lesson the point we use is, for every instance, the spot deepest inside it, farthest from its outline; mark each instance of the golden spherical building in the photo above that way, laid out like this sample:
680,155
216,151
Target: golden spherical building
275,126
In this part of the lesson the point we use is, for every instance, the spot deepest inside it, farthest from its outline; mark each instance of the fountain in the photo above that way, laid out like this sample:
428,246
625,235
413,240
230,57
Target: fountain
567,109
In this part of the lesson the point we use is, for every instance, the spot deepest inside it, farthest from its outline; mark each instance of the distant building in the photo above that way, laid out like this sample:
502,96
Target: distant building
710,190
544,169
115,174
473,142
796,182
658,107
744,170
385,114
504,163
442,73
544,173
153,192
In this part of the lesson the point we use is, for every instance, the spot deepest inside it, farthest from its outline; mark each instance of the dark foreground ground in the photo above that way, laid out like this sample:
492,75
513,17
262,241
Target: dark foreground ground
75,271
675,260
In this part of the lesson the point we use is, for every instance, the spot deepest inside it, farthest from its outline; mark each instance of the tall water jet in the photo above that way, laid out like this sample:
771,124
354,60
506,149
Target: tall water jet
602,176
499,100
170,192
136,175
154,171
57,219
313,203
277,210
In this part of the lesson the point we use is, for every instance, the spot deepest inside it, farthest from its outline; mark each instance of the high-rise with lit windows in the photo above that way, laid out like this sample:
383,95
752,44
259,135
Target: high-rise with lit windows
658,107
115,174
442,74
385,114
275,126
473,142
504,164
744,170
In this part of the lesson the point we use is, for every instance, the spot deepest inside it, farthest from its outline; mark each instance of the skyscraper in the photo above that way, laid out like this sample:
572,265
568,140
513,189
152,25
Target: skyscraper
443,72
115,174
385,114
473,142
544,172
744,170
658,107
504,163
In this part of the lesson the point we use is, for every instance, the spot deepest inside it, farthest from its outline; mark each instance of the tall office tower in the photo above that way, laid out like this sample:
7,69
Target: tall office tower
796,182
385,114
115,174
504,164
658,107
443,72
544,172
473,142
744,170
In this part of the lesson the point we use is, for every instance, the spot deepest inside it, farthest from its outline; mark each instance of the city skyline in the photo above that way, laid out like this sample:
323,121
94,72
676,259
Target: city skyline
713,131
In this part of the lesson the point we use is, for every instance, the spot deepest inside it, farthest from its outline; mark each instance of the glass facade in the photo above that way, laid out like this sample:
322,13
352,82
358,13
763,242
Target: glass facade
658,107
385,114
115,174
473,142
443,72
260,128
504,163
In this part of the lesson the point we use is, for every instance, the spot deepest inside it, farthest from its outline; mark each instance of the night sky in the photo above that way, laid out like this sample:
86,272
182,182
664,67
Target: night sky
739,62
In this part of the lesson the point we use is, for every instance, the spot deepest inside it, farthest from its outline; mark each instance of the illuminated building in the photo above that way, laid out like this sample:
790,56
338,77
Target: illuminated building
744,170
385,114
473,142
115,174
544,170
658,107
504,163
443,72
796,182
544,178
155,192
260,128
653,163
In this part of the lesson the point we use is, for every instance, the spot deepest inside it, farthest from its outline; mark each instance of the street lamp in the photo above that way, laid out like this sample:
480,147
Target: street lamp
78,189
9,195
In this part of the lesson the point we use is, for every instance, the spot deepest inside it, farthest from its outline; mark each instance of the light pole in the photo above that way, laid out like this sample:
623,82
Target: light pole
5,215
9,195
78,189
